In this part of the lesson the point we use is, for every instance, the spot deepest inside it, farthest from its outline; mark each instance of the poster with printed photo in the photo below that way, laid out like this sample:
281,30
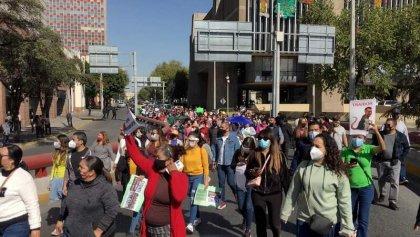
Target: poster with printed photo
209,197
361,112
134,194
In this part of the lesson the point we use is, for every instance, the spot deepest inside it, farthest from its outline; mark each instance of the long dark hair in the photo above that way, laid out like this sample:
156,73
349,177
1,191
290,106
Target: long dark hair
332,159
95,164
16,153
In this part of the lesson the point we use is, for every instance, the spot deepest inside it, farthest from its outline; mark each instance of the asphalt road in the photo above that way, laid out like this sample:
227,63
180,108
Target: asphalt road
383,221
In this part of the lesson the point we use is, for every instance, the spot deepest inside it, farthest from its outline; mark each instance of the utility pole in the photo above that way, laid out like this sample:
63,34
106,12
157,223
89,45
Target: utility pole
278,37
352,79
135,82
102,92
163,92
227,93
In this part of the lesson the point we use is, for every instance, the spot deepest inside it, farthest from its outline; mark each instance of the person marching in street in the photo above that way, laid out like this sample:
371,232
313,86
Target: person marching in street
268,163
321,191
417,224
196,167
239,162
20,214
358,157
390,161
61,146
402,128
339,134
226,146
165,191
102,149
156,140
272,124
303,145
91,206
288,135
78,152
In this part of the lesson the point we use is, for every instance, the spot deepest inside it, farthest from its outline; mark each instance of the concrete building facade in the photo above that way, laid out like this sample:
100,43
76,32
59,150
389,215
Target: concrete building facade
251,82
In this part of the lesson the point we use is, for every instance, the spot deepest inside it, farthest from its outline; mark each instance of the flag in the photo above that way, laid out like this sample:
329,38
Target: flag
287,8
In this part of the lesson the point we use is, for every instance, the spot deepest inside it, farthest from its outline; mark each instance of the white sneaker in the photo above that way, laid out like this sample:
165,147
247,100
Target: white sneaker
197,221
190,228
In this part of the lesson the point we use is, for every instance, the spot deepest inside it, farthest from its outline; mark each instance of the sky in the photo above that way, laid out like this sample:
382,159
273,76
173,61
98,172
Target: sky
158,31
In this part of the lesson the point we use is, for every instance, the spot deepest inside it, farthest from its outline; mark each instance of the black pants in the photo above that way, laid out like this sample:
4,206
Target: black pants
261,203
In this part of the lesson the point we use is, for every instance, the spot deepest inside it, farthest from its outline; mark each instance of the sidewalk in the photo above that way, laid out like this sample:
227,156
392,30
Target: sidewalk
58,126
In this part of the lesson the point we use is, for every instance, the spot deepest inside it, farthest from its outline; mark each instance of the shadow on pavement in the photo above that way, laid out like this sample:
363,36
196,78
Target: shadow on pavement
216,224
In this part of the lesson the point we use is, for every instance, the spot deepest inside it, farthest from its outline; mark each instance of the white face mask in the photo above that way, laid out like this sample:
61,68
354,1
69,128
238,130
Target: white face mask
72,144
57,145
316,154
154,137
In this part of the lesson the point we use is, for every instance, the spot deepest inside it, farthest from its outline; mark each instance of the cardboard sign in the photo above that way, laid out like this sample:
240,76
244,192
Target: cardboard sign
361,112
134,194
130,123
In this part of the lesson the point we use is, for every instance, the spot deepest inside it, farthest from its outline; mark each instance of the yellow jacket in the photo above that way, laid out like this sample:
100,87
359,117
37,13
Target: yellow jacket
195,161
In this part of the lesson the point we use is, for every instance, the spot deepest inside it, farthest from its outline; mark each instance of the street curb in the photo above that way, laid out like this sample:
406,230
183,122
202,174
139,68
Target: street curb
27,145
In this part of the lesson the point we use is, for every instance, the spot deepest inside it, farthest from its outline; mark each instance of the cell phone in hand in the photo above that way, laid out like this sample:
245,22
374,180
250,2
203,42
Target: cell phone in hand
353,161
179,165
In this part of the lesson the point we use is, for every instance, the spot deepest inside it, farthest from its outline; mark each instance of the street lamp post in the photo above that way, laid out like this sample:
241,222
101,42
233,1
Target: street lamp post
227,93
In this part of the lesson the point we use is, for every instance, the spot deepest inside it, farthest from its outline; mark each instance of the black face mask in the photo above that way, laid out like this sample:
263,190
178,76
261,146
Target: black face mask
159,165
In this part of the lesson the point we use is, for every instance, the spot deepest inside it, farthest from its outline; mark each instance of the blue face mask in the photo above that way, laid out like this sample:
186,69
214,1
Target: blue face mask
357,142
263,143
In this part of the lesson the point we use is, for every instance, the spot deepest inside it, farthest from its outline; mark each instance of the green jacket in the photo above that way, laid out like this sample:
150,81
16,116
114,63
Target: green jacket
328,195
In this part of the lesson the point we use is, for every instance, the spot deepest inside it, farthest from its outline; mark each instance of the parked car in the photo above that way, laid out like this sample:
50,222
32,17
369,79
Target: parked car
388,102
121,105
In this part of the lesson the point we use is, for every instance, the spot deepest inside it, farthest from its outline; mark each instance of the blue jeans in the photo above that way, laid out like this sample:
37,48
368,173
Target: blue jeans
224,171
403,172
20,229
245,205
193,182
135,221
361,199
303,229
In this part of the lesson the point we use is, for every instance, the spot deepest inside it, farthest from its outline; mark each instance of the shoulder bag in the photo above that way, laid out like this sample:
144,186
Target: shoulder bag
317,223
256,182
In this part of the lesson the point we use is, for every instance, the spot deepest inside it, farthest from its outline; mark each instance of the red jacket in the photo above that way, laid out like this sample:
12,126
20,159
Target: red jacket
178,184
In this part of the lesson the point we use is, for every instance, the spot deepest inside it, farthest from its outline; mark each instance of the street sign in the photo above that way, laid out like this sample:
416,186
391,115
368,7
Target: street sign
316,44
223,101
103,59
222,41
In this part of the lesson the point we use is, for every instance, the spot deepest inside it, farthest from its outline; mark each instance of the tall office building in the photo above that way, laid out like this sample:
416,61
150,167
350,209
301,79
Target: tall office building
79,22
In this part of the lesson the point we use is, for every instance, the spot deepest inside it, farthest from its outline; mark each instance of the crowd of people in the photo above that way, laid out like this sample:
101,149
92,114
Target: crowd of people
329,180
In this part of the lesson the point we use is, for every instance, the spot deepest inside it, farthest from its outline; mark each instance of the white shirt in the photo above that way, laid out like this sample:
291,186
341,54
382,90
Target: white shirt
20,198
121,150
222,151
338,136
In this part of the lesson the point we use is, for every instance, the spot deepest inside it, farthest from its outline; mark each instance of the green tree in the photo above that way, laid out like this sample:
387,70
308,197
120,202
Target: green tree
380,50
114,85
169,73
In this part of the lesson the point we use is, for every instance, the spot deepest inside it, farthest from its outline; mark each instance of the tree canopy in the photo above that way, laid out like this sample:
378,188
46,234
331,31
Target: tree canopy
387,50
175,76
